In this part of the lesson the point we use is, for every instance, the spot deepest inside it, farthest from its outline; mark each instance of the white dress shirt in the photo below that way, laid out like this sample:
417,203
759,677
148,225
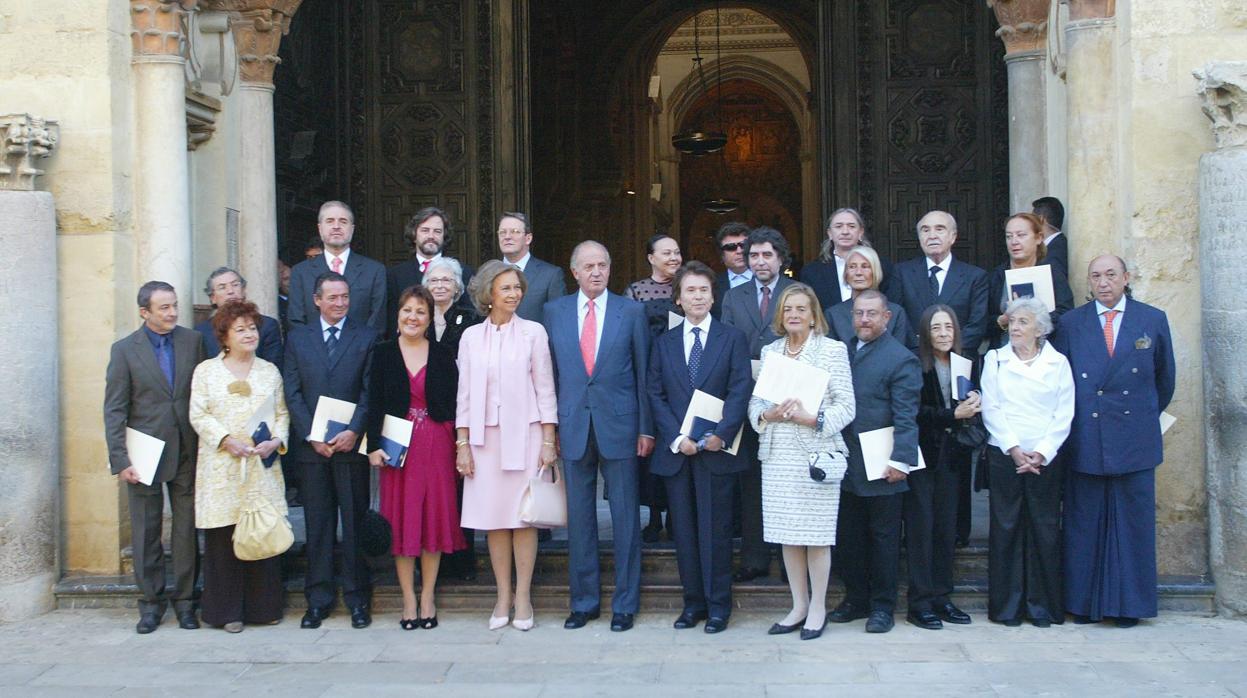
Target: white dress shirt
599,309
324,328
734,279
757,291
523,263
345,257
846,291
944,266
1050,238
424,261
1101,309
1027,405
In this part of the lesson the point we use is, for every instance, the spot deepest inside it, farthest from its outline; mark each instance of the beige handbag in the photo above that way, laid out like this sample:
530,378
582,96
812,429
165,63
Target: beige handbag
544,504
262,531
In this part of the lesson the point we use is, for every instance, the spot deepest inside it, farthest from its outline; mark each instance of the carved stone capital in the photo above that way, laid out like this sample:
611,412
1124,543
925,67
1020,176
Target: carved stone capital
1023,23
1223,85
158,27
258,26
1092,9
23,139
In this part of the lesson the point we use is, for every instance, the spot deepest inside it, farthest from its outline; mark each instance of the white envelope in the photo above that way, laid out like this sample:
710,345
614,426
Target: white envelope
674,320
144,452
877,454
782,378
959,366
1166,421
708,407
1040,278
329,409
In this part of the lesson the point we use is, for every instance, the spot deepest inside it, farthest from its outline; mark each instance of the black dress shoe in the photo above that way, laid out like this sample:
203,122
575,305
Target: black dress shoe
925,620
715,625
746,574
846,612
427,623
949,613
1082,620
879,622
621,622
313,618
578,619
689,619
187,620
808,634
1126,622
1012,623
360,618
781,629
148,622
651,534
1041,622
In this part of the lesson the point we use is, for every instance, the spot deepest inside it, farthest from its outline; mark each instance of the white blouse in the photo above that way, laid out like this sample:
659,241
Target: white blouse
1027,405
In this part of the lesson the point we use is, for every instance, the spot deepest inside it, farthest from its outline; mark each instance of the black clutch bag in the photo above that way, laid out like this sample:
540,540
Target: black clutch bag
259,436
971,433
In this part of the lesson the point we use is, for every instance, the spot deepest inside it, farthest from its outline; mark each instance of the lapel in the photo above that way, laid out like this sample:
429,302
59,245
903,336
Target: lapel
1131,329
857,354
712,348
318,341
610,328
748,300
954,278
1094,334
146,356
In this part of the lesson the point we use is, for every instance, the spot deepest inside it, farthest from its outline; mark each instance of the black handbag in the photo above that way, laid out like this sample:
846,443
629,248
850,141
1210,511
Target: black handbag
971,433
375,536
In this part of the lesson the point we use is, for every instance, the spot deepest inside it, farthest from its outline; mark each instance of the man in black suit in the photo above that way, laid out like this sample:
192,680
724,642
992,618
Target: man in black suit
428,233
731,241
283,297
1050,209
937,277
365,276
225,285
887,382
147,388
750,308
331,358
545,281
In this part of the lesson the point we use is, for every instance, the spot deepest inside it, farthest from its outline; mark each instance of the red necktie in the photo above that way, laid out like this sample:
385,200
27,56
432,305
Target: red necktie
424,266
336,264
765,305
1108,329
588,338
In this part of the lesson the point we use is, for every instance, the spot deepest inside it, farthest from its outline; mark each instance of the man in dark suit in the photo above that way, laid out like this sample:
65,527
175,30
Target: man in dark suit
331,358
731,241
937,277
147,388
1050,209
887,382
545,281
366,276
225,285
750,308
600,345
429,233
845,230
283,297
1121,354
712,357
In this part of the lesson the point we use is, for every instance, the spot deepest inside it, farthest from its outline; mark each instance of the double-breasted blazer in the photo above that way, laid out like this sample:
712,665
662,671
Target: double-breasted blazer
309,374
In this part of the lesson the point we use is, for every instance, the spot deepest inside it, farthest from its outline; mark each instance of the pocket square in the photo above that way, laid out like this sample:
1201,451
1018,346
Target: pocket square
1144,342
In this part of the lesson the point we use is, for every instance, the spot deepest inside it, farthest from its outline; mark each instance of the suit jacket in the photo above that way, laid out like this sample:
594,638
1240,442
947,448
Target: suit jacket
270,349
937,425
1117,399
458,319
823,278
840,324
365,276
964,290
614,396
136,395
887,381
404,275
1058,254
545,283
309,374
997,337
740,310
725,373
389,389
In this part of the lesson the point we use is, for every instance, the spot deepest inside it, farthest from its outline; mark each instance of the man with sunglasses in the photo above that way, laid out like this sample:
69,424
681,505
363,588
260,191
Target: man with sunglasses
731,241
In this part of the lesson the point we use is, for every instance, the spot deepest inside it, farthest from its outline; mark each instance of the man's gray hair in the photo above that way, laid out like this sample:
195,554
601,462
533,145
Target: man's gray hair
219,272
589,243
1036,308
456,270
952,221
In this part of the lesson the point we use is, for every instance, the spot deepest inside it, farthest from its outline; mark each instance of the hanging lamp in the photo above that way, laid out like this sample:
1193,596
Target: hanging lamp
722,203
697,141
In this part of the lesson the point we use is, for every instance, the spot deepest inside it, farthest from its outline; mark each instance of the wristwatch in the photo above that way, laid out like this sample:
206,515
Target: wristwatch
818,426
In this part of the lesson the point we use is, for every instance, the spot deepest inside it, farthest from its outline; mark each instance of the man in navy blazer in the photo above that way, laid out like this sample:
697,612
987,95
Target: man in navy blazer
937,277
225,285
600,345
545,281
1121,354
712,357
1050,209
331,358
887,384
336,223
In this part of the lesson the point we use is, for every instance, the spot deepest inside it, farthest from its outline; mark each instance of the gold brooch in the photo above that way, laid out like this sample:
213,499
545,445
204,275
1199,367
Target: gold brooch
1144,342
242,388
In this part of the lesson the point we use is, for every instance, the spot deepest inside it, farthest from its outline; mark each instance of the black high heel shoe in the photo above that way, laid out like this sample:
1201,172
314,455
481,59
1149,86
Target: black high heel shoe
781,629
409,623
427,623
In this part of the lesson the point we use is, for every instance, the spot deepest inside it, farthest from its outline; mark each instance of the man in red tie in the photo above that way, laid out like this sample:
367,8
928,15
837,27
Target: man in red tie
428,233
336,225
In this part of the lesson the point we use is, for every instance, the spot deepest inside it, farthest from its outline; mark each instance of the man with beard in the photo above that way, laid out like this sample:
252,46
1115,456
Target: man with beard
429,233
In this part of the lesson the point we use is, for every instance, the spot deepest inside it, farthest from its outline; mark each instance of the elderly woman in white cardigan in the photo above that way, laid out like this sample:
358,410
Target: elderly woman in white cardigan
1028,404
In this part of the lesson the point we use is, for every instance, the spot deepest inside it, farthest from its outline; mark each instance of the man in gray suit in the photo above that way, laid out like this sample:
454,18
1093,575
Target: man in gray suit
545,281
887,381
336,223
148,388
750,307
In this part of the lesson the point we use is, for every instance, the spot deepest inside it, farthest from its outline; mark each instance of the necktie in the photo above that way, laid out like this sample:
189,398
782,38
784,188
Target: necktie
331,344
424,266
694,357
1108,329
588,338
164,356
336,265
765,305
935,281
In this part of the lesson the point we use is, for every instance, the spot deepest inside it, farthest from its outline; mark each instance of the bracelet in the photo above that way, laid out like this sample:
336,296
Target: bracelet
461,442
548,443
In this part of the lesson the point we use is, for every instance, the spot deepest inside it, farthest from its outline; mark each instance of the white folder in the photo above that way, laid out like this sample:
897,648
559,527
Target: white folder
329,409
783,378
1040,277
1166,421
266,413
877,454
144,452
707,407
959,367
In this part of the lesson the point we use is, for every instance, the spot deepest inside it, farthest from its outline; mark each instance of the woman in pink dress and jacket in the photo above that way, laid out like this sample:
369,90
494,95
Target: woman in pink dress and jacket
506,415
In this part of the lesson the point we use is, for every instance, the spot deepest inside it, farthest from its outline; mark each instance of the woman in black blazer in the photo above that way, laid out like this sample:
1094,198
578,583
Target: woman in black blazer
1024,234
416,380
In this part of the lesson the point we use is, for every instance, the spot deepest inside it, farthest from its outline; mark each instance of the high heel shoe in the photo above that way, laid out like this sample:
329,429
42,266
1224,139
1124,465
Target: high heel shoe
498,622
428,623
524,624
408,623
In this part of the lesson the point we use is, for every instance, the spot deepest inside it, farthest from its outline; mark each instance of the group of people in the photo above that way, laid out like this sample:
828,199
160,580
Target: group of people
504,374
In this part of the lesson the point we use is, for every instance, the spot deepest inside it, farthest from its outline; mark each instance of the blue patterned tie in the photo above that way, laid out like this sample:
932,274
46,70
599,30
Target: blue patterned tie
935,281
694,357
331,344
164,356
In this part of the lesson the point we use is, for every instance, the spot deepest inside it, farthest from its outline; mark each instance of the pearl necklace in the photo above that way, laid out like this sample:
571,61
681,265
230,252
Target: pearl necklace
788,347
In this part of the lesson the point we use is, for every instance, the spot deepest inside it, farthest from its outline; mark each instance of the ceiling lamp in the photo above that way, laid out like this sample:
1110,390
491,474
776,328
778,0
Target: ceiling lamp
699,141
721,204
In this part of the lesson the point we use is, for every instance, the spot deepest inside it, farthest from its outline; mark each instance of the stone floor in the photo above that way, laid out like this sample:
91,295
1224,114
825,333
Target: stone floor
96,652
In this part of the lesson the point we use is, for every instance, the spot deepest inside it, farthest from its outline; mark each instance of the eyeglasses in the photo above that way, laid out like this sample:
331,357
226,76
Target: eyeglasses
732,246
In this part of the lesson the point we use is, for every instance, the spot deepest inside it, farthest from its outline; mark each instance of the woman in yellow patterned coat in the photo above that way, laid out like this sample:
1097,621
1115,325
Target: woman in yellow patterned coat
225,392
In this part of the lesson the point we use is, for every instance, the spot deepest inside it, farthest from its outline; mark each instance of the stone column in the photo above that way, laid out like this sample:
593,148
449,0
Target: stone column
258,28
1024,31
1222,220
162,229
30,440
1092,108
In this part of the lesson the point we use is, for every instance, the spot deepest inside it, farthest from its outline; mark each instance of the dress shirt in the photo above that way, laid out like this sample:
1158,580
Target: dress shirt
345,257
1051,237
523,263
757,291
424,261
1100,309
324,328
599,309
734,279
1027,405
942,276
167,339
846,291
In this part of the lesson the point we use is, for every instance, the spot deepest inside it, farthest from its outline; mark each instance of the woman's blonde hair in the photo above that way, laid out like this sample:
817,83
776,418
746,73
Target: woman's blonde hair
481,287
820,321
